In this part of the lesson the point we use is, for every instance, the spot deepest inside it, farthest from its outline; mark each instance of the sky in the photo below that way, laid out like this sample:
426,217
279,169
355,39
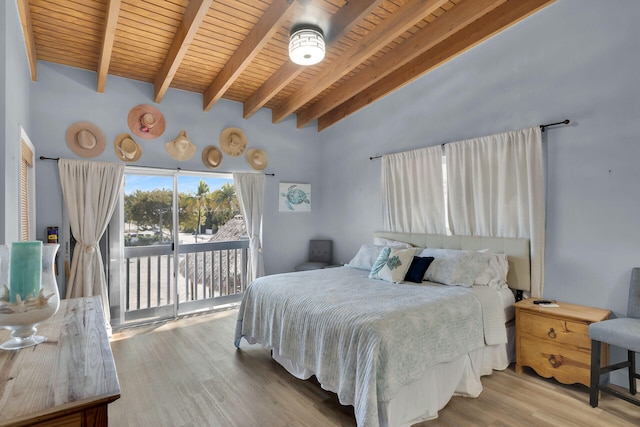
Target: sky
186,183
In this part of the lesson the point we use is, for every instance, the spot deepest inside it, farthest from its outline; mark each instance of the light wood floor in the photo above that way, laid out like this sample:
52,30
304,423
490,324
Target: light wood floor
188,373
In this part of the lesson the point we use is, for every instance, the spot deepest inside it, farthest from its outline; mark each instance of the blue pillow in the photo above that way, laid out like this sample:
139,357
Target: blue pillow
417,268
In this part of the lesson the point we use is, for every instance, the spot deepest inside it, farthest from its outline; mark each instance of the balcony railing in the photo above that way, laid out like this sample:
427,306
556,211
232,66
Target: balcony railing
208,274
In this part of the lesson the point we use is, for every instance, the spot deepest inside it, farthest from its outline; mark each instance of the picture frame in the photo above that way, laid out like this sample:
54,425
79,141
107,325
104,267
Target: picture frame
294,197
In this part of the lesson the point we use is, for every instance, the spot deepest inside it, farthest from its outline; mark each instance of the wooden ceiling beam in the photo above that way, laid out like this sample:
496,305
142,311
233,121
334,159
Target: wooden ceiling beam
29,41
383,34
257,38
278,81
194,14
449,23
485,27
342,22
108,36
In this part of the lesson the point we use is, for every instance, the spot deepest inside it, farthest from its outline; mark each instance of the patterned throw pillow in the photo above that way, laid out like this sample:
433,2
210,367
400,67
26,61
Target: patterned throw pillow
393,264
379,263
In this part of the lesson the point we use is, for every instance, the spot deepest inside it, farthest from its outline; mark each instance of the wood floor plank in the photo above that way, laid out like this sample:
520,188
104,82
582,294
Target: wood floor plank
188,373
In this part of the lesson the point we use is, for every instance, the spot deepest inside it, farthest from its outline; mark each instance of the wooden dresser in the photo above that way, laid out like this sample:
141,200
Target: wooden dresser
554,341
66,381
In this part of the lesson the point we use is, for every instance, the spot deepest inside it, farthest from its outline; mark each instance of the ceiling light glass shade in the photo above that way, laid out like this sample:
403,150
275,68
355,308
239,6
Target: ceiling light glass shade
306,45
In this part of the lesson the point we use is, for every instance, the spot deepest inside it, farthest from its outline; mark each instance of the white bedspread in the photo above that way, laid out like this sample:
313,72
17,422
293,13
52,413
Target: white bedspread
364,338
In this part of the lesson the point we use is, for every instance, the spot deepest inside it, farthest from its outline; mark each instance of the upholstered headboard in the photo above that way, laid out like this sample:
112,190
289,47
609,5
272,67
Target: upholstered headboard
517,251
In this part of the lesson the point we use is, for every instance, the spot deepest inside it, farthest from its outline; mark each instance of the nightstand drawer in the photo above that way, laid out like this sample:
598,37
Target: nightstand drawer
567,365
557,330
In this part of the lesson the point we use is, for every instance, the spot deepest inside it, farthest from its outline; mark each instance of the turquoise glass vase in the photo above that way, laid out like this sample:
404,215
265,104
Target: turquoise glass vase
28,291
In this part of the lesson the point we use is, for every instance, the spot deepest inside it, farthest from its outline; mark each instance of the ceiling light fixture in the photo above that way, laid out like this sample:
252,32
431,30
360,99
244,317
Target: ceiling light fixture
306,44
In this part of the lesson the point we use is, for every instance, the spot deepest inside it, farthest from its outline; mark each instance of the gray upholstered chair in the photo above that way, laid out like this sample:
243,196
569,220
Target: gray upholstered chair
320,252
623,333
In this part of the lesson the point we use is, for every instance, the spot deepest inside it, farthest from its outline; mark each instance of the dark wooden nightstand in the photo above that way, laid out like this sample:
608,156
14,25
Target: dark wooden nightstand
554,341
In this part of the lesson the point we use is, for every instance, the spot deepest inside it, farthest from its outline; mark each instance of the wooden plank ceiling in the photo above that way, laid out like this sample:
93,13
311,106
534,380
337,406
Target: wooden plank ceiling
238,49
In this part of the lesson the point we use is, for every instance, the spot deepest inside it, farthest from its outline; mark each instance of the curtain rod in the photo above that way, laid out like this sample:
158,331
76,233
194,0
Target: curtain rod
151,167
564,122
542,128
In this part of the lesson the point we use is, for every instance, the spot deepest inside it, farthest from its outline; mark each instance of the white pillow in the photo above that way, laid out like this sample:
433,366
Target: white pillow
495,272
392,264
391,243
366,256
454,267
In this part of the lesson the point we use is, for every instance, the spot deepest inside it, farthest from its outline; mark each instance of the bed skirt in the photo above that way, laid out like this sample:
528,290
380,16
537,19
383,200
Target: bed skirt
422,399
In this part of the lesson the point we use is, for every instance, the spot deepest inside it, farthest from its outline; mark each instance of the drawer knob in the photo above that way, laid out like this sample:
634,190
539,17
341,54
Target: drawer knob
553,361
551,333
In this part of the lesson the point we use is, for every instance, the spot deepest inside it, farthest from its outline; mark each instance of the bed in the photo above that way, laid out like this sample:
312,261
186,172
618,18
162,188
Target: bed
399,351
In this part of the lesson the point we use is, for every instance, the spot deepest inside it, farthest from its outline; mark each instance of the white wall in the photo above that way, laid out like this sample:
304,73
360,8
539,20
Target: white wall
14,112
64,95
575,59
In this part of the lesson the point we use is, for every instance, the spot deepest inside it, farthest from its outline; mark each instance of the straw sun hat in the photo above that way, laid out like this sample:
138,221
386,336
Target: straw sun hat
233,141
181,148
257,158
146,121
211,157
85,139
126,148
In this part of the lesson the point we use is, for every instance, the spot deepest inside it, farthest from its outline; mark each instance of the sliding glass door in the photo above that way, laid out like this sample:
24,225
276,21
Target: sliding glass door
183,245
148,237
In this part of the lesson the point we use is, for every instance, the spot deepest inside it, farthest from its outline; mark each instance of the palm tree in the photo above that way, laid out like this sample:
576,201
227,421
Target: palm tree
226,204
198,205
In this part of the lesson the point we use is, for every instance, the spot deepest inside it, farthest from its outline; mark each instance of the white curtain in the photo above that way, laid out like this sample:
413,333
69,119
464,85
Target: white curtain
90,190
250,189
496,188
413,191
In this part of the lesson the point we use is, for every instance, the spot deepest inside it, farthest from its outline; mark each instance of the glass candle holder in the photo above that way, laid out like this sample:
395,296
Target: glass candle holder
28,291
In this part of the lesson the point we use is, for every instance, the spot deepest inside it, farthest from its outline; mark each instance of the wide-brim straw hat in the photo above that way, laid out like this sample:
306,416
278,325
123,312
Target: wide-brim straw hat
257,158
126,148
86,139
146,121
211,157
233,141
181,148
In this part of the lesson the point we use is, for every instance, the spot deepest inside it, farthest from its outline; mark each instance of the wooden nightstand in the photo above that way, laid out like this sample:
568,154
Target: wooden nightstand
554,341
